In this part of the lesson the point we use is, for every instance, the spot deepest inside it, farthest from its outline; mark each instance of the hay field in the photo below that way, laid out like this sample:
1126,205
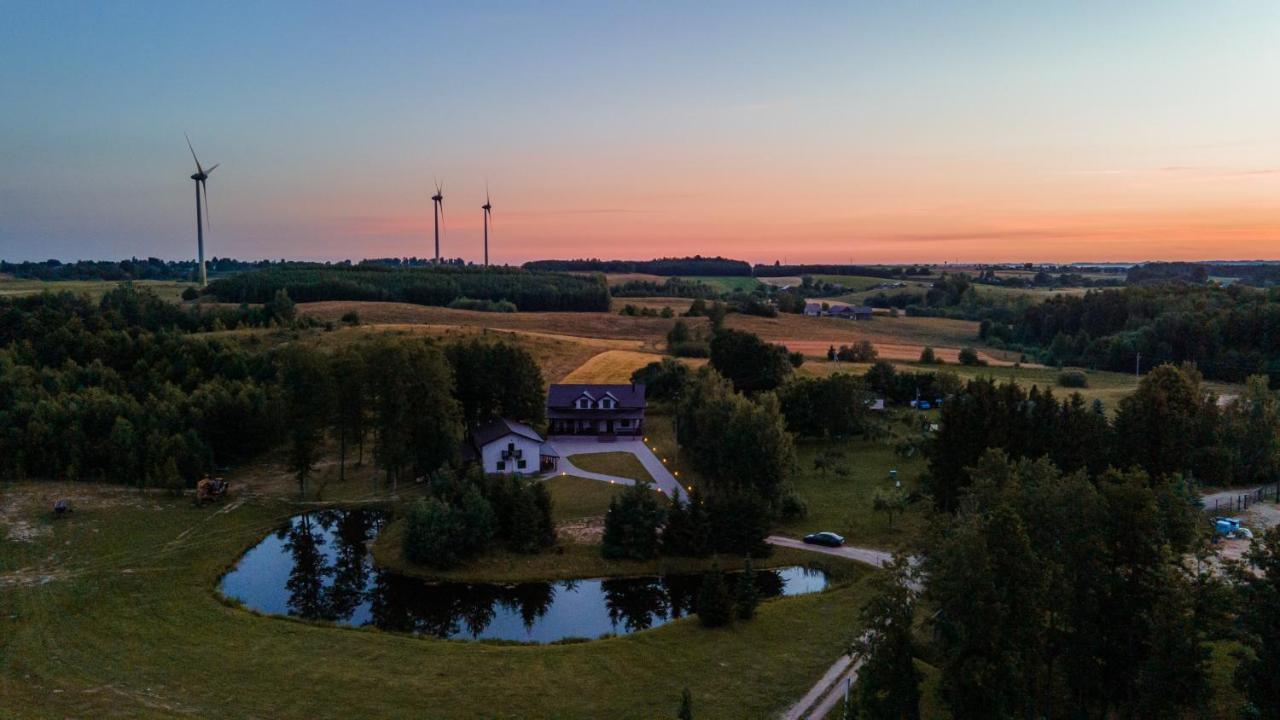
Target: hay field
616,366
908,332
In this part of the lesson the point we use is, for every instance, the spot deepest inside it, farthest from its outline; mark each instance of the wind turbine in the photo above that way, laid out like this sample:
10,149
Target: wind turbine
488,209
201,177
437,207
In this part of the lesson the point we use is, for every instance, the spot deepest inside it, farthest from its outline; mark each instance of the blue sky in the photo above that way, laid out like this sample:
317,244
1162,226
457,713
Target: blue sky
811,131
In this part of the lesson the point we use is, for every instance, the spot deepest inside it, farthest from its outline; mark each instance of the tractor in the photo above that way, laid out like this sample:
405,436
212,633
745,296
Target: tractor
210,490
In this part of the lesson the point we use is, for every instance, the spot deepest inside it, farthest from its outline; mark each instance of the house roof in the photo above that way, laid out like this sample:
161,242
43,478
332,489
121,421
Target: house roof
628,396
842,309
501,428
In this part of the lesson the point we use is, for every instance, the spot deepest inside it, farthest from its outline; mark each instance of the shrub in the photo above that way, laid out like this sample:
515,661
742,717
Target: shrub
190,294
1073,379
969,356
861,352
431,533
927,356
691,349
662,380
465,303
351,317
631,525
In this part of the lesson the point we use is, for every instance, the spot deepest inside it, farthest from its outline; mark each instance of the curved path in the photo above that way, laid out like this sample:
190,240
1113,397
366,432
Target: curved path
567,445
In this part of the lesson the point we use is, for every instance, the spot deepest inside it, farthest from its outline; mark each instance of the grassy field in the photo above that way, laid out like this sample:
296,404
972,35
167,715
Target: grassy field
725,283
1109,387
611,366
575,499
595,325
616,366
839,500
167,289
620,464
113,613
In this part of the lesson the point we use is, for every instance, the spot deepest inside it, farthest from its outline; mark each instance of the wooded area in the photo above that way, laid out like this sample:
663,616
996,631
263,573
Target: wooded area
529,291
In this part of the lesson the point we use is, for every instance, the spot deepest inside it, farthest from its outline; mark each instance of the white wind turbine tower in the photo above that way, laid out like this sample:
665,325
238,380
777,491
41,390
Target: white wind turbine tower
488,210
437,206
201,177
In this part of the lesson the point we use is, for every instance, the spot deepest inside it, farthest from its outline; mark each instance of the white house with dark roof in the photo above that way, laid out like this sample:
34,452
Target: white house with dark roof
504,446
579,409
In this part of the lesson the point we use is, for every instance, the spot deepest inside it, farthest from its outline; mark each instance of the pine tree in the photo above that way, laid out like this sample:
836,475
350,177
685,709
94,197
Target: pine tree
746,597
715,608
888,682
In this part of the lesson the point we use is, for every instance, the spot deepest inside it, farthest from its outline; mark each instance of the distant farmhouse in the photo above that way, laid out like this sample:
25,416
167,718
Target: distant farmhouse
503,447
608,410
840,310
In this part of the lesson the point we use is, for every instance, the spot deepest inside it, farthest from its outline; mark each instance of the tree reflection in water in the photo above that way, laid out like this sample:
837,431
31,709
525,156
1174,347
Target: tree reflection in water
328,575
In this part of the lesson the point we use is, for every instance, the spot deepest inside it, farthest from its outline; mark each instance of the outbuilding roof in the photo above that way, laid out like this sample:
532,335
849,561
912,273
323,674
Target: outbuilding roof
501,428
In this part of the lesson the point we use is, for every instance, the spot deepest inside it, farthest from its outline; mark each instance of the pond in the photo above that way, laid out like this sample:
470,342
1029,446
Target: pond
318,567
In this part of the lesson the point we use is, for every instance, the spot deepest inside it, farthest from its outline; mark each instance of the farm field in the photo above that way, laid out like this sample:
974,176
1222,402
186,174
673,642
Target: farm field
616,366
597,325
10,286
725,283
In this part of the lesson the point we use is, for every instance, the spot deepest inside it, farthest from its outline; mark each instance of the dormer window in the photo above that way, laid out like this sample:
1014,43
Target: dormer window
584,403
607,403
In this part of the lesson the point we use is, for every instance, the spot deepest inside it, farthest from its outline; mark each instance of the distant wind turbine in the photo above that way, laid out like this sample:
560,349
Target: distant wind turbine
201,177
488,209
437,207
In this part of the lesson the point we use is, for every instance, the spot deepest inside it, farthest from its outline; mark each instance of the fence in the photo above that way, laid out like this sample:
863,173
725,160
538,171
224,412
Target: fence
1241,501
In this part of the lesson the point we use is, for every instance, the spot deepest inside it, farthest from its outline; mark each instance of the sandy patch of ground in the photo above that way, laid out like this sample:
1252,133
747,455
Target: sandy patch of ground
589,531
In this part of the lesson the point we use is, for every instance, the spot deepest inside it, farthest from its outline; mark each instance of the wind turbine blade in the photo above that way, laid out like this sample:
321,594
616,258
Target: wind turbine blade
211,169
193,152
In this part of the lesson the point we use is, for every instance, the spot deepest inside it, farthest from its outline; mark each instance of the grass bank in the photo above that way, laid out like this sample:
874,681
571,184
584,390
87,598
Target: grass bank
112,612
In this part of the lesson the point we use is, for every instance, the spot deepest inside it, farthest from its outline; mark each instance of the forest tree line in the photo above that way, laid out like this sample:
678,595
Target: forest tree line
129,389
529,291
1228,333
696,265
1068,571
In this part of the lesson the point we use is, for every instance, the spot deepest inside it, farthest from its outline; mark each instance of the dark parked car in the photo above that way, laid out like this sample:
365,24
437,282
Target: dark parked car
829,539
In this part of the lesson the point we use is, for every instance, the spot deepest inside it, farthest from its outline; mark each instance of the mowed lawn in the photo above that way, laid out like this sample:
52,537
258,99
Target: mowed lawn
113,612
619,464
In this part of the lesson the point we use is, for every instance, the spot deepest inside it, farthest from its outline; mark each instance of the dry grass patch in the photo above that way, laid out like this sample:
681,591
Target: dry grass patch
651,330
616,366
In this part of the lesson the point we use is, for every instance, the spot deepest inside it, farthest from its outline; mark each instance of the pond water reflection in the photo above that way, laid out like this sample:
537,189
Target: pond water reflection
318,567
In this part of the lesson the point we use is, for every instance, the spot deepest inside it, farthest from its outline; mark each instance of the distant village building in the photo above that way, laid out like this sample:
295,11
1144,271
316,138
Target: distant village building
504,446
840,310
610,410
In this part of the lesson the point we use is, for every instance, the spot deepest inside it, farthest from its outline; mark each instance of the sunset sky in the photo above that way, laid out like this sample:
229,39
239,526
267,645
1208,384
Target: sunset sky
795,131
